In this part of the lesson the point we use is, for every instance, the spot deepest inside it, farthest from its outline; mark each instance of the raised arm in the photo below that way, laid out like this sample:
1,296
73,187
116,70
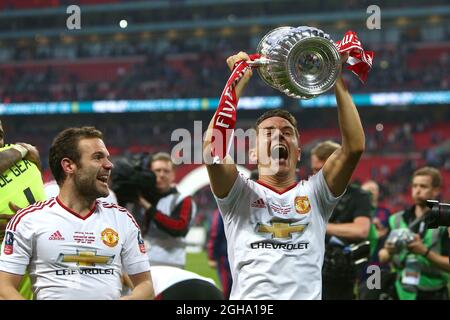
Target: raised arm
339,167
223,175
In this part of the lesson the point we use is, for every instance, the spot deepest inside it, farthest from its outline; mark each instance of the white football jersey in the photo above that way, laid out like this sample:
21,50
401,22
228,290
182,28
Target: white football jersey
71,257
276,241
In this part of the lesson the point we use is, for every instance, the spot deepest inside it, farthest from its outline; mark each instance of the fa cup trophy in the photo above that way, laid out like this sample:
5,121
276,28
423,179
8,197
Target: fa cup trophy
301,62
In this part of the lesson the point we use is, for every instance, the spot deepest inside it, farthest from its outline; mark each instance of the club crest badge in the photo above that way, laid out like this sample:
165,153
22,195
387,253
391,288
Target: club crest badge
110,237
302,204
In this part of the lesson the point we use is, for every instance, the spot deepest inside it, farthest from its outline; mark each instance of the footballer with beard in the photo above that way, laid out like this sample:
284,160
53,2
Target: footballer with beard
73,245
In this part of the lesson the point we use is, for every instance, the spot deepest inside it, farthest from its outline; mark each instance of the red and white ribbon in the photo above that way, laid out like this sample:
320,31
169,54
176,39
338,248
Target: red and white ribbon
225,117
360,61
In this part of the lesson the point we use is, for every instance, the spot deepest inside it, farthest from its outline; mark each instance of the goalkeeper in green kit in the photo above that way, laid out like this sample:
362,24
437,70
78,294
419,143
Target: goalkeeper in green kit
20,185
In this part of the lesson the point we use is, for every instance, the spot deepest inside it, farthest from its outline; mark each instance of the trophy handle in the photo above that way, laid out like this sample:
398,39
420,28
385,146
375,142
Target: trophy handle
259,62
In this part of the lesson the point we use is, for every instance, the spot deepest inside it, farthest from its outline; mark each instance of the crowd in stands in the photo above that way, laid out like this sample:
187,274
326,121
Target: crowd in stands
150,74
263,6
185,65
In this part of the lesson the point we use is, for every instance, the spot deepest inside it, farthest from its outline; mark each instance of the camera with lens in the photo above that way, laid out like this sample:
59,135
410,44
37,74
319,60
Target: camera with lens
337,265
400,238
131,177
342,261
439,215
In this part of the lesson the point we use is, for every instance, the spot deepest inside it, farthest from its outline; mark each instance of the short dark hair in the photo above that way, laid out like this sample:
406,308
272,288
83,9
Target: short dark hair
436,178
65,145
277,113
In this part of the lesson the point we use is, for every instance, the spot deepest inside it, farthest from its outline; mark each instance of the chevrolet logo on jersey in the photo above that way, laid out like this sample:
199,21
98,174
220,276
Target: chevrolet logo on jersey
86,258
281,230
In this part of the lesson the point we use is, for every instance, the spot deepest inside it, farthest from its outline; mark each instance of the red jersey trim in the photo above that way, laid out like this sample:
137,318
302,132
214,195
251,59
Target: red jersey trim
12,225
276,191
75,213
121,209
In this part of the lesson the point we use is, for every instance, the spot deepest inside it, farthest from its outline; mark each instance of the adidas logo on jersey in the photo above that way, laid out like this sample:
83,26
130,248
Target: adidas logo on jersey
258,204
56,236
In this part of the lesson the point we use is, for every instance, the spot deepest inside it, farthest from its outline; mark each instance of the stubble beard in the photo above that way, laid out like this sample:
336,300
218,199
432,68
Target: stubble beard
86,187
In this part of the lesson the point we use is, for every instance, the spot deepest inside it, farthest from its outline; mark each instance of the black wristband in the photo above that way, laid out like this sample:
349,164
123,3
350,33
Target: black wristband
427,253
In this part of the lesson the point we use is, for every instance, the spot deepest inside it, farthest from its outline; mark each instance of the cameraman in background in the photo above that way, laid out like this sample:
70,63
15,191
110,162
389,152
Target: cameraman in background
418,255
168,217
349,224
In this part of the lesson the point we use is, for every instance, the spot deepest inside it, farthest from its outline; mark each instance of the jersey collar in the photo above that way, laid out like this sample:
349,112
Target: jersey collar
276,191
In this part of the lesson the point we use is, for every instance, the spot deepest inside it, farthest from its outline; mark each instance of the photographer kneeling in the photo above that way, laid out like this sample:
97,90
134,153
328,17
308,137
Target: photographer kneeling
418,255
168,219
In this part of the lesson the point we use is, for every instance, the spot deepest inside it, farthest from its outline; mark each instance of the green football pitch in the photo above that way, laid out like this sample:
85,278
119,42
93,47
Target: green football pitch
198,263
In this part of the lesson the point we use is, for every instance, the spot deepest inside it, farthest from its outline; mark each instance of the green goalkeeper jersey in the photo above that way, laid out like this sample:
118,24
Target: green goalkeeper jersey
22,185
